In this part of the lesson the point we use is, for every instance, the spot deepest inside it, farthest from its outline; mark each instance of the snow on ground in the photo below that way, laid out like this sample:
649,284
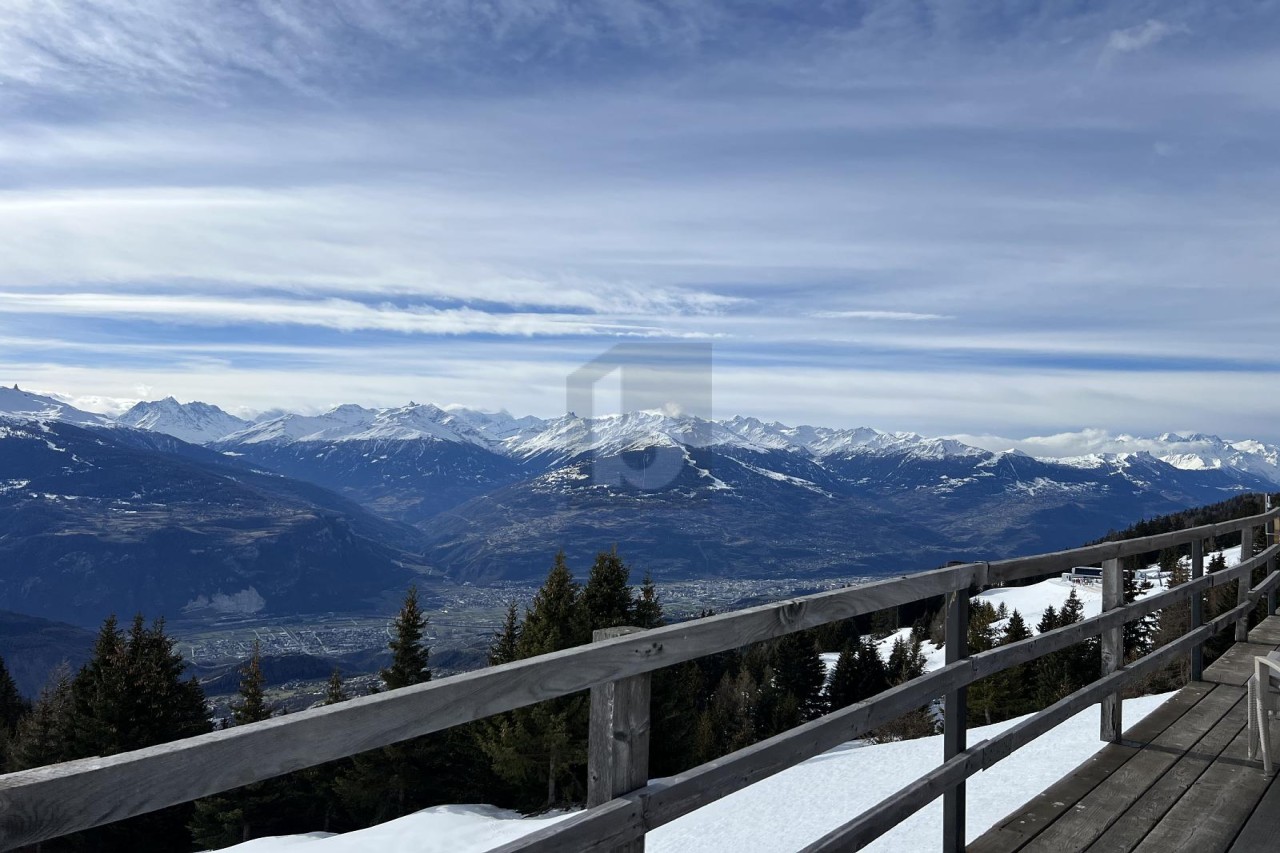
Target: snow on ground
781,813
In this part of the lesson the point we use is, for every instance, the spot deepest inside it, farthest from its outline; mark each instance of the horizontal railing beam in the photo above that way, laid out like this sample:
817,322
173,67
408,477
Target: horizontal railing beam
660,803
47,802
896,808
1019,568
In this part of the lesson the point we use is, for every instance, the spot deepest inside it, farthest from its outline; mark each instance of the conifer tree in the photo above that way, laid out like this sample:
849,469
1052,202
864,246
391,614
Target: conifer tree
128,696
409,655
646,612
335,692
44,735
12,706
859,674
539,750
1014,690
1083,660
401,778
798,673
606,598
506,642
553,621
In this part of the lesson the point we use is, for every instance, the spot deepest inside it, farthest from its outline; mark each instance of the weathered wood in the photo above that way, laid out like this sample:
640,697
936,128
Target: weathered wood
1103,806
1197,607
1235,665
618,738
1134,825
62,798
1047,564
48,802
956,722
1112,724
1242,595
891,811
1209,816
1031,819
1273,538
1266,632
1262,829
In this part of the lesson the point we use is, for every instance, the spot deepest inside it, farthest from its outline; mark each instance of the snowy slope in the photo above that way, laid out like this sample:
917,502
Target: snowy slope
193,422
780,813
352,423
570,435
23,405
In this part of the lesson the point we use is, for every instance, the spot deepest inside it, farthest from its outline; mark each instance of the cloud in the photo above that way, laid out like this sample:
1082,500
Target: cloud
325,190
879,315
337,314
1139,37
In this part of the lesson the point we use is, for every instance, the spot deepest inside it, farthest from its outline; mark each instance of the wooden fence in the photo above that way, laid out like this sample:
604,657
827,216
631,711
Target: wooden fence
51,801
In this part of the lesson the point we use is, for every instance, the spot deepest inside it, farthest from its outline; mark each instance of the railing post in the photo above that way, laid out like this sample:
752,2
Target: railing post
956,722
1242,590
1271,564
1197,609
1112,649
618,737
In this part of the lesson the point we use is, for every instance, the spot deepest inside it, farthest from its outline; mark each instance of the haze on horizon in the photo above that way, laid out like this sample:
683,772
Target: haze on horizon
992,221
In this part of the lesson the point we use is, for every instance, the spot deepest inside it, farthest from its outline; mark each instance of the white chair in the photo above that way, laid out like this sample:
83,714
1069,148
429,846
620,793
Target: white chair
1264,700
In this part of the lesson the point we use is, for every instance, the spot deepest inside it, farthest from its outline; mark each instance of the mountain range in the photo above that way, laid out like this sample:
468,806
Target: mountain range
482,496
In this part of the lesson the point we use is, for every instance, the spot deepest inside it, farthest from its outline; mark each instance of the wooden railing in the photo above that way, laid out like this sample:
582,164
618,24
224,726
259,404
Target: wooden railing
51,801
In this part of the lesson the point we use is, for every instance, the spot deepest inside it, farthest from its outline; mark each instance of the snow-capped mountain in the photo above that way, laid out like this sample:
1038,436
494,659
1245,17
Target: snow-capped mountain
17,404
494,494
195,422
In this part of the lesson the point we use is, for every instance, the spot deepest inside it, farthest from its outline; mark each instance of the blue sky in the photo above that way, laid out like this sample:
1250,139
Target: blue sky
1007,218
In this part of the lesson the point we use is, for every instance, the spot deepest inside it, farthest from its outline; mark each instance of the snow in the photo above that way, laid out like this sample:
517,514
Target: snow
193,422
570,435
17,404
781,813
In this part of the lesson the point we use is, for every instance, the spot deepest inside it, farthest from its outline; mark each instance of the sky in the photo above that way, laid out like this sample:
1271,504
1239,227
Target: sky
1007,218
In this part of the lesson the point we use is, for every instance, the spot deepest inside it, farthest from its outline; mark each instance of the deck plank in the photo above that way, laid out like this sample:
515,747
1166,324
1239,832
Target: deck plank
1103,806
1236,664
1266,632
1127,832
1020,827
1262,829
1210,815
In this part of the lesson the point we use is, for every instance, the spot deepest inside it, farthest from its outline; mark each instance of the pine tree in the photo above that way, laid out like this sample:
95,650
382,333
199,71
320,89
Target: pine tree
859,674
43,736
1083,662
131,695
409,655
252,706
540,749
1013,687
1051,680
606,598
553,621
798,673
646,611
730,720
272,807
401,778
335,692
12,706
505,646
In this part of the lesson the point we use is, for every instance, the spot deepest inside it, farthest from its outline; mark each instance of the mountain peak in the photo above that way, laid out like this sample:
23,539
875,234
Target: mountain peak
194,422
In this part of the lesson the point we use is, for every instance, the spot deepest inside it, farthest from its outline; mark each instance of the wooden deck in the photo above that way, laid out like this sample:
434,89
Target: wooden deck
1178,781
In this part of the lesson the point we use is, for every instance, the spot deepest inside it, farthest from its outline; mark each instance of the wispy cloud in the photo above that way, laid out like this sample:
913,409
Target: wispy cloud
910,316
827,192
